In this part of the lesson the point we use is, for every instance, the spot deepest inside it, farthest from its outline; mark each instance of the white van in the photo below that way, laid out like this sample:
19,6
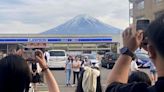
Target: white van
57,58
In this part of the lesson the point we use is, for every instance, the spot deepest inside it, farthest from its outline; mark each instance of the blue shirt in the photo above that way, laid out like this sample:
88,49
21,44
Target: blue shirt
68,64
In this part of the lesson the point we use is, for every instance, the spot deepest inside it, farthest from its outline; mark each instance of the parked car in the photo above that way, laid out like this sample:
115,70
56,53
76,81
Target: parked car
57,58
109,59
142,60
92,58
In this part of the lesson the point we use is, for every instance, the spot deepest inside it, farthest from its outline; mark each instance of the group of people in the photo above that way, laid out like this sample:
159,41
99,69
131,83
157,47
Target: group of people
77,66
15,73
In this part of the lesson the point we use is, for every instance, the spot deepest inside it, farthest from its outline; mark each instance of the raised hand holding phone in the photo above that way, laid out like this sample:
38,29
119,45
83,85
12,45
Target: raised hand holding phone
142,25
41,60
131,38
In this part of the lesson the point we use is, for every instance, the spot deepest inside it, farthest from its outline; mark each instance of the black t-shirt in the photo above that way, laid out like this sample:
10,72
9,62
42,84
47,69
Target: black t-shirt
34,67
136,87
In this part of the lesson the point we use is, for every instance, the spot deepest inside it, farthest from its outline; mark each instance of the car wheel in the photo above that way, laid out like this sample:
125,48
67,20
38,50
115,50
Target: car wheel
107,66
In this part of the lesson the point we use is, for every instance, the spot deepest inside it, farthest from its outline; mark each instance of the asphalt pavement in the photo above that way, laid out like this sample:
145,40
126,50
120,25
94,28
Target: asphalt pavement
60,78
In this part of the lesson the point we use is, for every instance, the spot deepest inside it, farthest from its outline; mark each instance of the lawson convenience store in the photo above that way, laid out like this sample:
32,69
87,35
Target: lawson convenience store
78,43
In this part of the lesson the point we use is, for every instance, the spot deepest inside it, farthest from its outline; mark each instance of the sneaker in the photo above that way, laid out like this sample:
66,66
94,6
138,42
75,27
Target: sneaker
73,85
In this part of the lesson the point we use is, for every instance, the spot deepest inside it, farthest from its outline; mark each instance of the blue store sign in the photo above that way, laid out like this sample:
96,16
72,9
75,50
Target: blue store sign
55,40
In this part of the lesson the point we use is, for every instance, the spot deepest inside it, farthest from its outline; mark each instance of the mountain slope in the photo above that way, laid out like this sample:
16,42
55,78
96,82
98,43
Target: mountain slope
83,25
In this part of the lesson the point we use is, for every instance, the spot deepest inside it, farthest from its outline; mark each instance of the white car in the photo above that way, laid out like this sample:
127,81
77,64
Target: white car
57,58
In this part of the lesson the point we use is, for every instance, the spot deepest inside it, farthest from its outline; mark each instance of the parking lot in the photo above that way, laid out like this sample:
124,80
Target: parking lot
60,77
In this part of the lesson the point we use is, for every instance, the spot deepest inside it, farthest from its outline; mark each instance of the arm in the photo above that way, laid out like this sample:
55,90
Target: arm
52,84
120,71
79,65
65,66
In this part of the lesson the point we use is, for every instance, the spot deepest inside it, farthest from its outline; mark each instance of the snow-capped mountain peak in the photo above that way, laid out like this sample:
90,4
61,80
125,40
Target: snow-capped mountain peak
83,25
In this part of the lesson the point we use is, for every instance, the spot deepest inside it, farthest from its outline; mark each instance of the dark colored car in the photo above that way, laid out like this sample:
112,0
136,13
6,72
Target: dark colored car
142,60
109,59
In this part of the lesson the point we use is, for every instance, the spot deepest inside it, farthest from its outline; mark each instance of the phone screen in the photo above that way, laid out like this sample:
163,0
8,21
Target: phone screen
142,24
29,55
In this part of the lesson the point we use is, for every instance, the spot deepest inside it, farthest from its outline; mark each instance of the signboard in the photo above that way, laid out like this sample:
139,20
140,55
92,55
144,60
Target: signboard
55,40
36,45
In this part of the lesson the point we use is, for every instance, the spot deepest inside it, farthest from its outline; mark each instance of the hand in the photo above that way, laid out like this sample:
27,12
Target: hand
40,58
132,39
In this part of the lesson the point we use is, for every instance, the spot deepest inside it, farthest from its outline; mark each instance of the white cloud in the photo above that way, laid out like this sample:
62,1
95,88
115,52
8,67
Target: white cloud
119,23
41,15
15,27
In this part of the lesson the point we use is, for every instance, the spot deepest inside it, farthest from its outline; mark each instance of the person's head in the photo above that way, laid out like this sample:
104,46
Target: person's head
20,50
155,34
77,58
139,76
86,58
70,58
89,80
14,74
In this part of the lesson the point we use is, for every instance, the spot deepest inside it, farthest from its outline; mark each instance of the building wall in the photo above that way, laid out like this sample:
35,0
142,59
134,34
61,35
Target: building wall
150,10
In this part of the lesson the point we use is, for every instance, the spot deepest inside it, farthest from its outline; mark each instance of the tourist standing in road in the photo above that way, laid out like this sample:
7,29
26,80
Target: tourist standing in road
84,62
68,69
35,74
89,80
76,69
46,55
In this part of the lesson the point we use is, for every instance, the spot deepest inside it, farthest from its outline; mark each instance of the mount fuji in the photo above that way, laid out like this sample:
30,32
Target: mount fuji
83,25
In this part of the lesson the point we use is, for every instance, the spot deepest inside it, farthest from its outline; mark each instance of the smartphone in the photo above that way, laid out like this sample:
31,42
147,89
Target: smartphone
142,24
29,55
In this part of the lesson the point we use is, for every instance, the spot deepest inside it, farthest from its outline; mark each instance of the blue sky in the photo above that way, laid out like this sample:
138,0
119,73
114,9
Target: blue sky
35,16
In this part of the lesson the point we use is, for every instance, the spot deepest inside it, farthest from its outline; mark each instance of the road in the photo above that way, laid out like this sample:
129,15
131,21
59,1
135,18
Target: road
60,77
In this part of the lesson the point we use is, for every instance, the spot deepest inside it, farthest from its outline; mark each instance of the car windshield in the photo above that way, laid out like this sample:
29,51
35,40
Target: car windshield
57,53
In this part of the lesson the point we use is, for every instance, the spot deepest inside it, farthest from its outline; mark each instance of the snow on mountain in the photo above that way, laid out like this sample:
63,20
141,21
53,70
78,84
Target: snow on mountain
83,25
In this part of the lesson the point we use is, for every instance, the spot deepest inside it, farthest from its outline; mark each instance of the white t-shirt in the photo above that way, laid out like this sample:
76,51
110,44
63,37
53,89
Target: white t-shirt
47,55
133,66
76,63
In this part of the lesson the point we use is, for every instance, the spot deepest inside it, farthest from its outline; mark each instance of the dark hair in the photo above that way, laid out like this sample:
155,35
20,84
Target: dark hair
155,34
70,58
139,76
79,86
14,74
